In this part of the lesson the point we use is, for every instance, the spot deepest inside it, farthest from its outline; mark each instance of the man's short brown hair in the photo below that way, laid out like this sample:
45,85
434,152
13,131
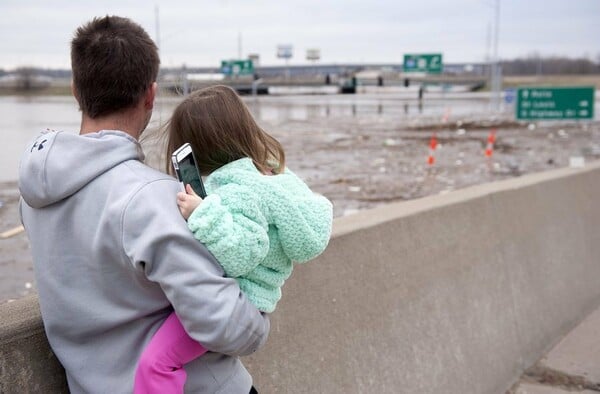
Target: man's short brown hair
114,62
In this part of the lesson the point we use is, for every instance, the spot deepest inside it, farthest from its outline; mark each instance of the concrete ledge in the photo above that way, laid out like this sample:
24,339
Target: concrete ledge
447,294
27,364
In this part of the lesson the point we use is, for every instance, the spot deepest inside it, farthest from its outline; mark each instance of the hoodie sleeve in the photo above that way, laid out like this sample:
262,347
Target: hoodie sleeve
303,218
210,306
232,225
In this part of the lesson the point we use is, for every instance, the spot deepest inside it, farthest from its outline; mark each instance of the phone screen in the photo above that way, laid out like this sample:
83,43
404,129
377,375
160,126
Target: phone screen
189,175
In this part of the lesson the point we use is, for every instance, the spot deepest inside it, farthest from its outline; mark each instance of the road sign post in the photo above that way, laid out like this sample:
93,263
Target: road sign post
423,63
313,54
285,51
555,103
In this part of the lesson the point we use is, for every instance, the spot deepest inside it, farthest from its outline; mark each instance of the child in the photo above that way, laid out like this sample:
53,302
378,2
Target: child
257,220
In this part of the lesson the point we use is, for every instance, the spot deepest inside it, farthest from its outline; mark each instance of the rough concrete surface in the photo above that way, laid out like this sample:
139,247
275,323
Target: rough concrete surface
27,364
573,365
530,388
579,352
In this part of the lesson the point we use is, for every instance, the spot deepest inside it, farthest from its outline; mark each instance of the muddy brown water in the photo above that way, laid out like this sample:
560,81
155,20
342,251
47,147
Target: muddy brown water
359,158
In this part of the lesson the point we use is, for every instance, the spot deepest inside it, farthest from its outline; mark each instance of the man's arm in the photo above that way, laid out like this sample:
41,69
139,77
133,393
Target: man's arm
211,307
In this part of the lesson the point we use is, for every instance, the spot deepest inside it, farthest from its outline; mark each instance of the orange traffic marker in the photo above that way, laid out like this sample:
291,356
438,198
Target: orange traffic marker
432,148
489,149
446,115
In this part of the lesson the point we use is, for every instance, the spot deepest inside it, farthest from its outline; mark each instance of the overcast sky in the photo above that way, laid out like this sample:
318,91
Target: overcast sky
202,33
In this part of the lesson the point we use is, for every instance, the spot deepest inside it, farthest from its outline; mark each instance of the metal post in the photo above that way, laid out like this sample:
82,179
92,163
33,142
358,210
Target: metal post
495,65
156,22
185,85
255,84
157,25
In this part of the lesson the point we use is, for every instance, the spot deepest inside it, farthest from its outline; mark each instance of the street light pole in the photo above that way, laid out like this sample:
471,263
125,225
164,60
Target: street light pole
157,26
496,71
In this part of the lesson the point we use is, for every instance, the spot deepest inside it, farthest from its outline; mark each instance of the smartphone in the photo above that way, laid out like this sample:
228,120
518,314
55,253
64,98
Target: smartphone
186,169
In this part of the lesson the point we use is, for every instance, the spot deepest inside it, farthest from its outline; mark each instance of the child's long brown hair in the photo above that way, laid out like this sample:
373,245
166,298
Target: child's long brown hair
220,129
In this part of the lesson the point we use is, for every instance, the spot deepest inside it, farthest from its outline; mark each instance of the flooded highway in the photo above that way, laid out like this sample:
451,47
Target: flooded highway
360,151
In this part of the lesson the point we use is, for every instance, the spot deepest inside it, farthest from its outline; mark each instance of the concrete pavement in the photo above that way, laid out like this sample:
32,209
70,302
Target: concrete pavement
573,365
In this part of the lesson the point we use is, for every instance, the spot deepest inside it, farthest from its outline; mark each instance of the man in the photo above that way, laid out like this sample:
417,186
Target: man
112,254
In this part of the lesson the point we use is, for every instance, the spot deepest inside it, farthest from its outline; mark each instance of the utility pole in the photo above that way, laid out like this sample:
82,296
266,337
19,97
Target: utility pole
157,39
496,70
487,58
157,26
239,45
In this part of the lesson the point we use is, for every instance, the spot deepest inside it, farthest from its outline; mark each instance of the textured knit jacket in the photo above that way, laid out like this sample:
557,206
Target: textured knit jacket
257,226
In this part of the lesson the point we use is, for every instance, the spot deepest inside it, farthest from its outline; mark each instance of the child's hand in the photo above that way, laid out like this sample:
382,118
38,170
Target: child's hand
187,202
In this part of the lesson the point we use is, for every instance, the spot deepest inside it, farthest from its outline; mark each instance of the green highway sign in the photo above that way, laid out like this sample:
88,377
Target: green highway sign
548,103
237,67
425,63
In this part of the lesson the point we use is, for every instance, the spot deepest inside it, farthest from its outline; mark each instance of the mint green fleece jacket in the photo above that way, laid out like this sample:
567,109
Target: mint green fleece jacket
257,226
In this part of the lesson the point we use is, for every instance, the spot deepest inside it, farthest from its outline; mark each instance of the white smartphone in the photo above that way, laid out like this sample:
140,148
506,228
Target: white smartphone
186,169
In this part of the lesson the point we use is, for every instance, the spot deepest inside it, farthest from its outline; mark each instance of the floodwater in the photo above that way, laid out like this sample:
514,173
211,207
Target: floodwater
360,151
23,118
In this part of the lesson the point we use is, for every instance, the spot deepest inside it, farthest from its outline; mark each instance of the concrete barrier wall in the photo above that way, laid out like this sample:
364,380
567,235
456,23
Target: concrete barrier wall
447,294
27,364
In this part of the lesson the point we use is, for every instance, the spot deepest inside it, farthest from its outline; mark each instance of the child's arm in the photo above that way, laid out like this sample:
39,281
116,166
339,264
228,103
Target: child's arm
231,224
303,218
304,224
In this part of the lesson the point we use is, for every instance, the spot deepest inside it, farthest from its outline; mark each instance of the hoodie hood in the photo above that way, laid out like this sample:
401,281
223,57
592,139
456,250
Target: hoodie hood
58,164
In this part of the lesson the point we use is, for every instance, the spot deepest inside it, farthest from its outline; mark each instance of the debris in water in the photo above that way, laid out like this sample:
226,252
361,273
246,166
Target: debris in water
576,162
354,189
12,232
563,134
350,211
391,142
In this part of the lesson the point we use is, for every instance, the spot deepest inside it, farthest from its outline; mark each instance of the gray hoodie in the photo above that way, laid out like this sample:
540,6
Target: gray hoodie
111,255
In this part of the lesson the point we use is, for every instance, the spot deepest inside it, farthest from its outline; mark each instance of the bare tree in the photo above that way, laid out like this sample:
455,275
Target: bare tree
25,76
534,64
30,78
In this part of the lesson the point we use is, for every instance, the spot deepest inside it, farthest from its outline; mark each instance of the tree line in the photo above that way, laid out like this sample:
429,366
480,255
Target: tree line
529,65
539,65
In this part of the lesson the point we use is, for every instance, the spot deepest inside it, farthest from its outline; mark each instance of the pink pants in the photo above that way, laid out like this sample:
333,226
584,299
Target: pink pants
160,369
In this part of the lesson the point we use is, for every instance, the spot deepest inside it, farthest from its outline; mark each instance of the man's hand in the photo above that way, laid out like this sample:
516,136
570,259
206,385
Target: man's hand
187,202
